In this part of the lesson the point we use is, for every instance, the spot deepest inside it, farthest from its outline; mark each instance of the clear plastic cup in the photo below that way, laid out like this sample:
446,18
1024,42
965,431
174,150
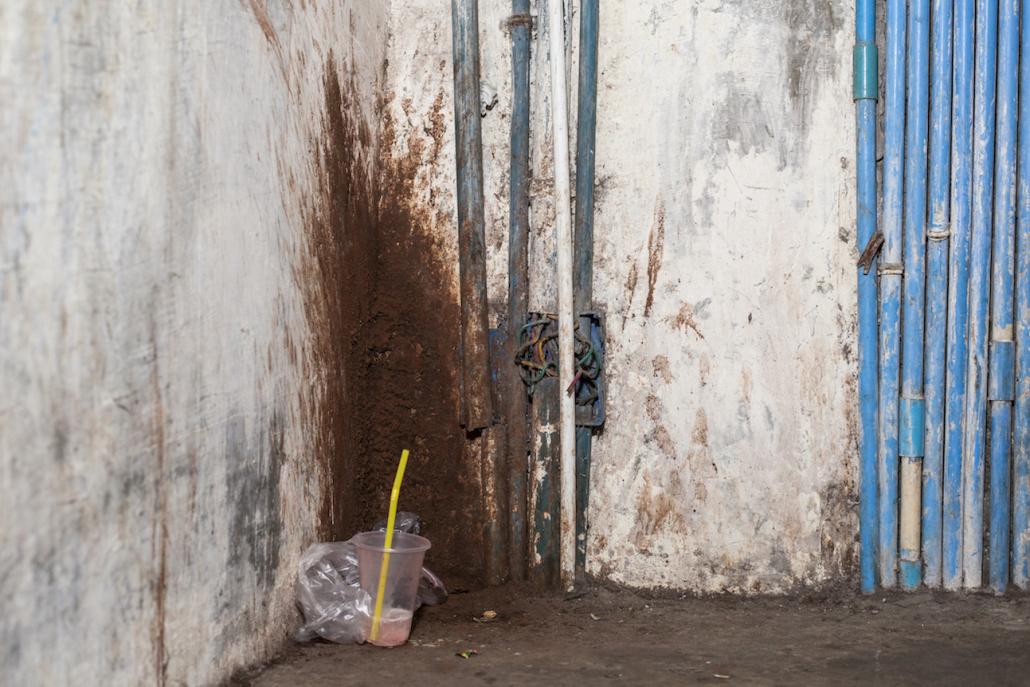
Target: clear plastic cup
401,591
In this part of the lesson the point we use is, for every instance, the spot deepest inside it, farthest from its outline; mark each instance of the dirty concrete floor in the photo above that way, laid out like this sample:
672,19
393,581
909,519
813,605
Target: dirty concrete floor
612,637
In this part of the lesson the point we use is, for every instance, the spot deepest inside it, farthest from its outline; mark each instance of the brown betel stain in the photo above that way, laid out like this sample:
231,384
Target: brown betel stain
385,326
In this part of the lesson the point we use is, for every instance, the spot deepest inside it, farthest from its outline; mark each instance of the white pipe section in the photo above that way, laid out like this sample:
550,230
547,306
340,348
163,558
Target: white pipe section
911,512
563,227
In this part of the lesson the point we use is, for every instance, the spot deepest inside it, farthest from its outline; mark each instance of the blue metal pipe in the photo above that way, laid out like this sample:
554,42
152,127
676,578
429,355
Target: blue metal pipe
890,293
984,87
998,563
912,418
936,288
477,405
866,93
1021,429
586,133
586,128
518,285
958,281
1000,382
544,545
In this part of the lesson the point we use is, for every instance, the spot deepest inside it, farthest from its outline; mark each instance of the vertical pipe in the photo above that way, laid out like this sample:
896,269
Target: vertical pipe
563,227
1000,378
493,443
1021,430
468,141
958,282
585,139
911,432
586,123
865,92
518,283
979,291
936,287
543,547
890,292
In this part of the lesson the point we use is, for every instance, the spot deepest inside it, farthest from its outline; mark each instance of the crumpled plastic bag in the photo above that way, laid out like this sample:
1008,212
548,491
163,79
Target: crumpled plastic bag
329,592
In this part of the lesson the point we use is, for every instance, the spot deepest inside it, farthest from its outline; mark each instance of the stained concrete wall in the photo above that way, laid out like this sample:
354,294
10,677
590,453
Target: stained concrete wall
171,241
724,268
185,186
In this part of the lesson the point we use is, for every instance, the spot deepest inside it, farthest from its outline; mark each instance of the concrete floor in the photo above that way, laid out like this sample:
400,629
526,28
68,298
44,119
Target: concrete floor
606,637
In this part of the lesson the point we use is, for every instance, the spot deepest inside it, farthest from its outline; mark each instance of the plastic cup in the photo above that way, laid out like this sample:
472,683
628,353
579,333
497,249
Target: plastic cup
401,591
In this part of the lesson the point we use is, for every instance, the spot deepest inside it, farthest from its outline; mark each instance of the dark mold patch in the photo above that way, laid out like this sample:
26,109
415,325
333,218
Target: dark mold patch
740,118
255,527
60,443
159,526
385,331
810,50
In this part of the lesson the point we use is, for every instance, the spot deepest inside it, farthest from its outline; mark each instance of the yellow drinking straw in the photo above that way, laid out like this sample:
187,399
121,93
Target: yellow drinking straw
381,591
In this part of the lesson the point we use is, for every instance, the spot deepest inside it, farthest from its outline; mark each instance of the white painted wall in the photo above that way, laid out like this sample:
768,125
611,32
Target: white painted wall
159,391
724,266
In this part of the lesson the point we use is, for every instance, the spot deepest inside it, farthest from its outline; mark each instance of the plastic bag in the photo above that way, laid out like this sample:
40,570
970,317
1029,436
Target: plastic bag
329,592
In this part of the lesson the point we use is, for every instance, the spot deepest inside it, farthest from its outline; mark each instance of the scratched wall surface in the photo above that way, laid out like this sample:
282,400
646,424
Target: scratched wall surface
724,268
171,236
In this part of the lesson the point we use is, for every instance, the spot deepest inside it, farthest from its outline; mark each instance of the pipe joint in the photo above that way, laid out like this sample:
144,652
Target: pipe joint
911,427
891,268
940,233
519,19
866,85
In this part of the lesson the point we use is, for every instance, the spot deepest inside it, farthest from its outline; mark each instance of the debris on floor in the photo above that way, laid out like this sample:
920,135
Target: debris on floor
672,641
331,598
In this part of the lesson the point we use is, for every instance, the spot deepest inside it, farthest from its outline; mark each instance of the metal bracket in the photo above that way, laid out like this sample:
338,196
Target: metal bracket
892,268
590,411
523,19
537,358
871,250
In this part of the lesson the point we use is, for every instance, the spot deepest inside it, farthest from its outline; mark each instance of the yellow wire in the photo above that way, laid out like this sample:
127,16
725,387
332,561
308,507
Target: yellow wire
381,591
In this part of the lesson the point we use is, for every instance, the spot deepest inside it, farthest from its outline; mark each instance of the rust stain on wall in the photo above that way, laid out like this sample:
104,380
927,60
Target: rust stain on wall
662,369
260,12
655,251
660,434
631,288
684,319
699,454
656,509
